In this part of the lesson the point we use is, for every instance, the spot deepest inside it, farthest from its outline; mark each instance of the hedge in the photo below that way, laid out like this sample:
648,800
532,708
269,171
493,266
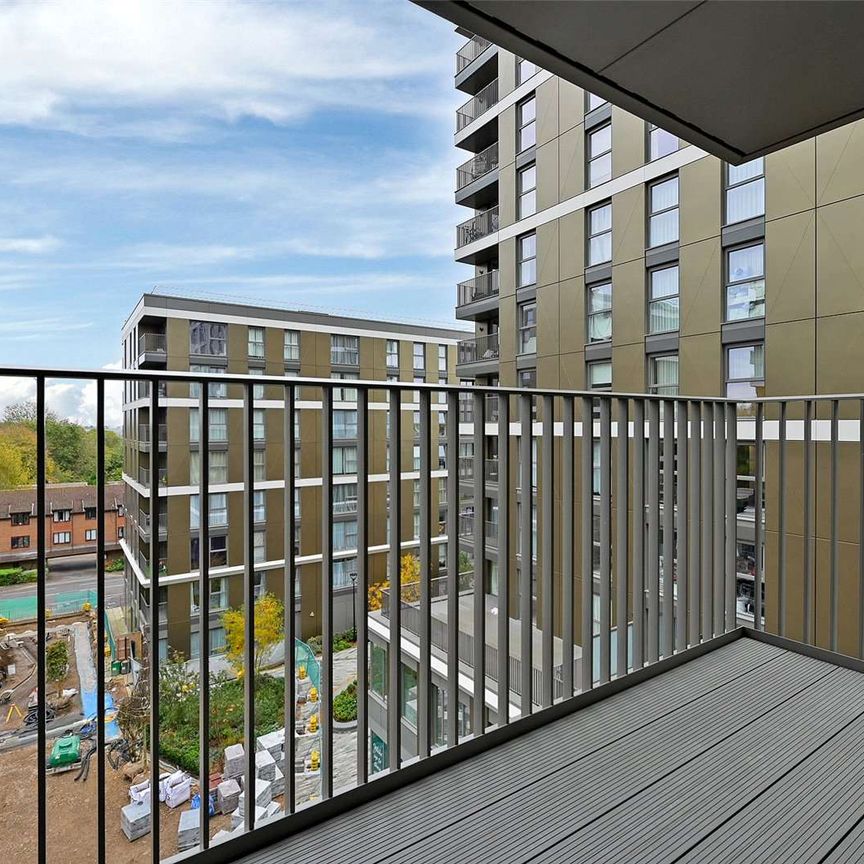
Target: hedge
16,576
345,704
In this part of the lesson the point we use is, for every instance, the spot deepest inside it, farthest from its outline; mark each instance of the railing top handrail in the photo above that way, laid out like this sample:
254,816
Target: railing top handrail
477,216
474,40
477,157
477,96
480,277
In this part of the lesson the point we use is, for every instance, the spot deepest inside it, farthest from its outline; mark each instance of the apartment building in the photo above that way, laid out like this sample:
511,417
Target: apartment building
185,334
70,522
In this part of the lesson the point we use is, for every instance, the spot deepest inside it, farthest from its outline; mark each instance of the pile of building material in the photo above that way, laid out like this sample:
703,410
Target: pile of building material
227,795
235,762
188,830
135,819
175,789
263,795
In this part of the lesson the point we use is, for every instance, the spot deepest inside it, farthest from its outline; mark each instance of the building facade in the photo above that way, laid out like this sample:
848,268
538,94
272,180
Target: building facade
180,334
70,522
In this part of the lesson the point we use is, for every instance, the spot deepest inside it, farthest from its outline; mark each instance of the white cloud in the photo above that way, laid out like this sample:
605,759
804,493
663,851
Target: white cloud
29,245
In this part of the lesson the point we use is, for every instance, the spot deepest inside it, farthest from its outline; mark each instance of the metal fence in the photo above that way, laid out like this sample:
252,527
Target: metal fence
478,227
477,166
470,51
477,105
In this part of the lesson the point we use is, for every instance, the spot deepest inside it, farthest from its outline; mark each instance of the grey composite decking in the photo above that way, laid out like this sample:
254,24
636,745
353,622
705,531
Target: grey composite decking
749,753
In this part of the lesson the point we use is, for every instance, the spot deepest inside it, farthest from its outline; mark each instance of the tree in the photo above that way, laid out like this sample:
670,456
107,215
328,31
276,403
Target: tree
13,471
24,413
269,630
409,583
57,662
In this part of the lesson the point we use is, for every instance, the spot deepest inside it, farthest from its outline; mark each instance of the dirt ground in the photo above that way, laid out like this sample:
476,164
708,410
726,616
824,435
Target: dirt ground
72,815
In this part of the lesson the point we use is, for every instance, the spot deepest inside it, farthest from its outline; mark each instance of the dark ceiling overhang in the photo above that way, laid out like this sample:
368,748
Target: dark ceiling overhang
738,79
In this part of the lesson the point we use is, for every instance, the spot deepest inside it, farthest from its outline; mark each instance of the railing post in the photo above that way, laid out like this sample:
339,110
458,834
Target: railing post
546,577
605,539
325,709
504,550
452,568
587,531
394,687
41,680
781,524
808,628
668,636
100,620
289,592
249,603
568,493
638,533
653,652
835,517
731,514
707,458
719,519
424,682
757,520
203,613
683,501
479,701
154,629
526,553
622,505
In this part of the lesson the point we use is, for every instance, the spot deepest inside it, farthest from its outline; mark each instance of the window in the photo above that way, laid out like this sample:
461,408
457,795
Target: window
344,460
442,363
595,101
409,695
600,375
600,312
345,350
599,153
121,532
217,640
259,586
345,498
392,354
20,518
745,191
291,346
526,124
62,537
259,505
218,466
526,183
218,510
89,512
419,356
344,535
344,394
663,204
600,234
344,424
20,542
62,515
218,425
258,425
259,469
745,371
745,282
207,338
344,572
526,251
663,299
256,341
416,460
259,546
660,142
218,595
216,390
663,375
527,328
525,69
90,534
257,389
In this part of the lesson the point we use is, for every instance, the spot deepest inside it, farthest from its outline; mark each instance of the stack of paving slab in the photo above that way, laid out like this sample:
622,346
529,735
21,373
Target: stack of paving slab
135,820
188,830
227,795
273,743
263,795
235,762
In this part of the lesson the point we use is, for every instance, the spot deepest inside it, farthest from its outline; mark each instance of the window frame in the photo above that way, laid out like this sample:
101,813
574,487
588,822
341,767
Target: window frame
253,344
653,128
600,313
523,193
521,77
755,381
201,332
292,355
730,186
523,329
654,214
652,300
523,125
591,234
590,159
652,385
729,283
522,260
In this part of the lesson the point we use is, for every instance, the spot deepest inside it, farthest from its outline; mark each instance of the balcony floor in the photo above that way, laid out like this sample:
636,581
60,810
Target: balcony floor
749,752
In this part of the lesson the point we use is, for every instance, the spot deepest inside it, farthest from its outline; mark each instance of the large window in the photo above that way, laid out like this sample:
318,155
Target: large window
218,424
345,498
207,338
527,315
600,375
61,537
745,371
600,234
660,142
663,204
345,394
344,572
62,515
21,542
599,154
600,312
345,350
259,505
258,424
419,356
745,191
525,69
663,375
218,594
256,342
21,518
218,551
291,346
745,282
526,119
442,361
218,510
345,535
345,460
218,466
526,181
344,424
392,354
215,389
526,251
594,101
663,299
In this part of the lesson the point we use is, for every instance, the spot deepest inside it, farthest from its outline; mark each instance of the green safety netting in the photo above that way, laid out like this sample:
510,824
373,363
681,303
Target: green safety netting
23,608
304,656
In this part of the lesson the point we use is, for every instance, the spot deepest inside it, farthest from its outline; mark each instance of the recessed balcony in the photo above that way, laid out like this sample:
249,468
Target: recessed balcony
478,356
477,179
474,229
476,136
477,298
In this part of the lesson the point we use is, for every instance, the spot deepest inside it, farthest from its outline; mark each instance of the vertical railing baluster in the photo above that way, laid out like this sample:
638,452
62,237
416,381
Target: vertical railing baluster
861,528
394,686
586,633
249,742
835,516
567,534
547,498
781,523
682,549
719,520
154,622
758,537
526,552
424,678
638,533
325,709
504,550
605,539
731,517
41,630
697,575
100,620
809,599
203,610
478,703
707,457
289,746
621,536
653,653
668,632
362,591
452,568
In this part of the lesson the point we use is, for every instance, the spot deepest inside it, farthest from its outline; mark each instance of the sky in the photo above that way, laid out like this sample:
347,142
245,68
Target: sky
297,153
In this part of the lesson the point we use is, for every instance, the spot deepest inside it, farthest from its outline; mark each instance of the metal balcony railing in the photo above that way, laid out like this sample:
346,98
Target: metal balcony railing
479,288
478,227
470,51
491,468
475,167
152,343
144,522
478,349
647,506
477,105
144,433
144,476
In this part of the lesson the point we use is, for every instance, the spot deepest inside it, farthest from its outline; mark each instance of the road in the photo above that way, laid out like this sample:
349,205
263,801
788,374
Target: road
75,573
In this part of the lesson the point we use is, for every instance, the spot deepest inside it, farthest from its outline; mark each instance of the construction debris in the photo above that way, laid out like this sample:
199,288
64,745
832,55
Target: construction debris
188,830
135,820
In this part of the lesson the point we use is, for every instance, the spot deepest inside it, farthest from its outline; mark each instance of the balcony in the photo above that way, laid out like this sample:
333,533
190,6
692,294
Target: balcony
478,297
477,105
152,348
144,476
479,355
477,179
144,524
619,629
470,51
144,435
476,228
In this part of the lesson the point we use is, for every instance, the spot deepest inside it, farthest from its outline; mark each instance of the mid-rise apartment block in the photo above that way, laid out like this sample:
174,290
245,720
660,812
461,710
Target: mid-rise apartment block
182,334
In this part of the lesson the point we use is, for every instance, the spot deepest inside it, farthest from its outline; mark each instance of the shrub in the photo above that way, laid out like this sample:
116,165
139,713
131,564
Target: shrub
57,661
345,704
115,566
16,576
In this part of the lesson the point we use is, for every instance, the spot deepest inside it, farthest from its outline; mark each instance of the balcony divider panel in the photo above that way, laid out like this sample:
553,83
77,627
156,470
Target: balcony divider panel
394,687
587,500
653,651
154,629
504,552
547,551
668,638
325,697
567,533
290,593
758,516
719,521
204,614
638,533
362,592
479,661
526,553
425,732
622,505
781,524
707,519
100,621
683,574
834,610
452,432
731,520
249,603
605,623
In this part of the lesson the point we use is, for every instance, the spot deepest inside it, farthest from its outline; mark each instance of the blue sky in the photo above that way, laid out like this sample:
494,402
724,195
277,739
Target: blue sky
290,152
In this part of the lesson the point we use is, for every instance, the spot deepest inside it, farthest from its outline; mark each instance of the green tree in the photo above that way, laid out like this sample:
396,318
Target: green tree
269,630
57,661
